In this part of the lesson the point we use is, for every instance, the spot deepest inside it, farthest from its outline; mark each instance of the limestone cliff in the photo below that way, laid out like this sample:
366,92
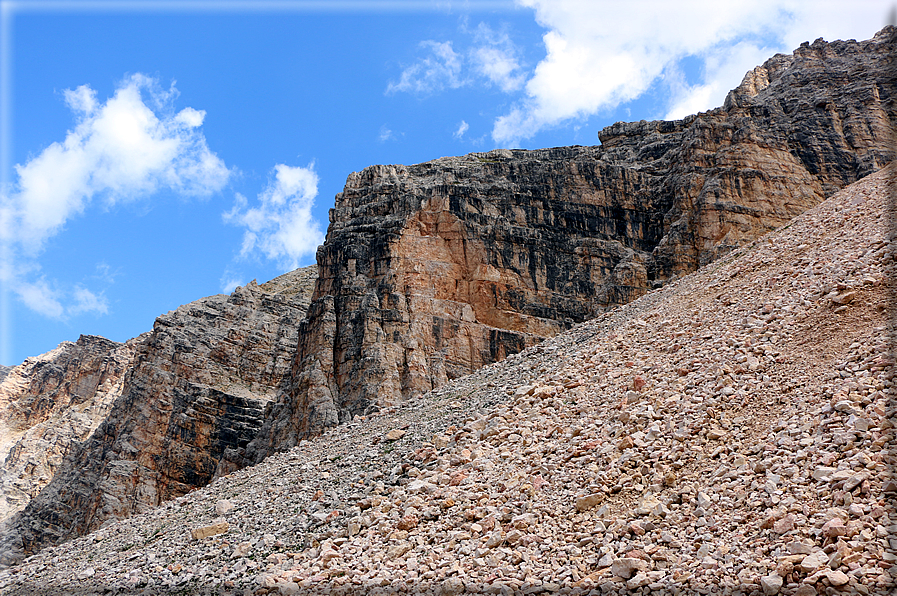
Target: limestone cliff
192,400
431,271
51,402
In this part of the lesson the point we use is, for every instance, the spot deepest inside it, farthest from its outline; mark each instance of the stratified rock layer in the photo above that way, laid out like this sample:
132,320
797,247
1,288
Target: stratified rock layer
732,433
431,271
190,404
51,402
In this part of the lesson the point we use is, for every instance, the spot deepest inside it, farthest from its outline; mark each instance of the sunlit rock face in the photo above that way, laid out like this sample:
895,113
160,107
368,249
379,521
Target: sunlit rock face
48,404
192,396
433,270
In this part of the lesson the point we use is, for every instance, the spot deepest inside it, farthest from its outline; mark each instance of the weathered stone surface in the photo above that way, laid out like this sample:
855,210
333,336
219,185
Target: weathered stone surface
434,270
188,407
210,530
51,402
527,435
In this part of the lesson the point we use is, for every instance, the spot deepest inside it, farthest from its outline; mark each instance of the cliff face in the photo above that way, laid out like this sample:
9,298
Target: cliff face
50,403
431,271
190,403
434,270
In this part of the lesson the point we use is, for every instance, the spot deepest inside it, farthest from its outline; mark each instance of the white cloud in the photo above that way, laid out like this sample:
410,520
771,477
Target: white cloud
723,71
281,227
492,57
55,303
438,70
462,128
601,54
119,150
497,59
88,302
125,148
229,284
385,134
39,297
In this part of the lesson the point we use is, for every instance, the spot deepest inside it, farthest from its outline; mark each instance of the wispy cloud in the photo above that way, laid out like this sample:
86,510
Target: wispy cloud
41,298
497,58
229,283
439,69
491,57
88,302
385,134
128,147
280,226
462,128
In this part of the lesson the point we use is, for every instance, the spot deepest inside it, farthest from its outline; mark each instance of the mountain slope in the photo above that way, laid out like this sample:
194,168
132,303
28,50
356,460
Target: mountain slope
434,270
731,432
431,271
185,404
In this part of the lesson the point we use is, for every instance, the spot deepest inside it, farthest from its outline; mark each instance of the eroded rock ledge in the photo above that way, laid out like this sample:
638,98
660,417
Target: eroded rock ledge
433,270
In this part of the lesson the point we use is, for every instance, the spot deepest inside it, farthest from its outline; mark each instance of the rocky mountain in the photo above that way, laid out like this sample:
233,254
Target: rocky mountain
432,271
733,432
49,404
178,410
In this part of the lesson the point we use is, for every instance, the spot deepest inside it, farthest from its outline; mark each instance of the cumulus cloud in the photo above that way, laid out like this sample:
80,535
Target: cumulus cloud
722,72
119,150
600,55
281,226
125,148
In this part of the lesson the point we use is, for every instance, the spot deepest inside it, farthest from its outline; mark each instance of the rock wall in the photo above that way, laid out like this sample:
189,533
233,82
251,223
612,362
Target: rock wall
188,406
434,270
431,271
50,403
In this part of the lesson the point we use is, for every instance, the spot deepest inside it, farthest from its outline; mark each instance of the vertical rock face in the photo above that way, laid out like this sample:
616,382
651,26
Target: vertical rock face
431,271
50,403
193,399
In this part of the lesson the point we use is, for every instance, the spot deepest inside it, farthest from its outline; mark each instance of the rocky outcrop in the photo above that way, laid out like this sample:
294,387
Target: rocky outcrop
434,270
732,433
189,405
48,404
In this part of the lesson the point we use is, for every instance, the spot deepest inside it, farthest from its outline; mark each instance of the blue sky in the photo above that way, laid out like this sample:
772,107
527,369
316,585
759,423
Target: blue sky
157,152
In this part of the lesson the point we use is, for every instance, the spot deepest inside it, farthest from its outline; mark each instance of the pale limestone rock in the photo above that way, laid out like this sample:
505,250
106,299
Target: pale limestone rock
210,530
771,584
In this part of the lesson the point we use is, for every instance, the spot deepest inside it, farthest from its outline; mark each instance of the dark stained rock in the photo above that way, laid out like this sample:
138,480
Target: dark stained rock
430,271
190,403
